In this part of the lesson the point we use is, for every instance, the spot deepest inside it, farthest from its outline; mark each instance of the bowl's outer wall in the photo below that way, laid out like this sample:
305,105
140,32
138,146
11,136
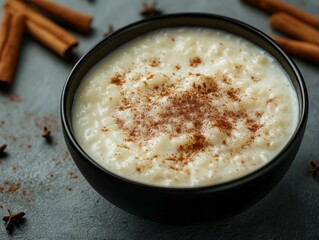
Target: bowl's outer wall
174,205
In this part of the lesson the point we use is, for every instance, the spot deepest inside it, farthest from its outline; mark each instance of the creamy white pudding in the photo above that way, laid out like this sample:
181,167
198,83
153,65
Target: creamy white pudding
185,107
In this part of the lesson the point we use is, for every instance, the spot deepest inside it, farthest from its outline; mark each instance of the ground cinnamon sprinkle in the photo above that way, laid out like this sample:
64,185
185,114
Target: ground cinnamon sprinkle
232,94
194,62
254,78
253,126
223,124
190,112
155,62
104,129
118,79
226,80
239,67
270,100
150,76
198,143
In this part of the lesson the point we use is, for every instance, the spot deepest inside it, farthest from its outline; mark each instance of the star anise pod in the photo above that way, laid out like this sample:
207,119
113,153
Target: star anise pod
314,168
12,218
150,10
2,148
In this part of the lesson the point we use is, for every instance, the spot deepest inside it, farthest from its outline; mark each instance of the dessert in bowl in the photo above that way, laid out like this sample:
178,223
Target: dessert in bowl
184,117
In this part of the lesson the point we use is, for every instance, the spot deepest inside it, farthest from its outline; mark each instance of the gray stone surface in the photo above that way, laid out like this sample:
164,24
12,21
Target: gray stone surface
60,204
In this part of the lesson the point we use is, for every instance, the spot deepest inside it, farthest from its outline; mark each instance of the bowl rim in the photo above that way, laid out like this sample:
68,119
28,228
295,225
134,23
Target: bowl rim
302,120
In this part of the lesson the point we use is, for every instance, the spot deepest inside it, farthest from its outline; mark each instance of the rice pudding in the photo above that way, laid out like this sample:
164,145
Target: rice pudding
185,107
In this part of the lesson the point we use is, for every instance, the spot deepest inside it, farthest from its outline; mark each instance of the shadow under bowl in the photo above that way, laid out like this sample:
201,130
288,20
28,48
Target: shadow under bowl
183,205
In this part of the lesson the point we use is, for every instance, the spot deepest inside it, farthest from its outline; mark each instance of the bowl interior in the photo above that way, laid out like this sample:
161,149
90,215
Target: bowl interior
122,36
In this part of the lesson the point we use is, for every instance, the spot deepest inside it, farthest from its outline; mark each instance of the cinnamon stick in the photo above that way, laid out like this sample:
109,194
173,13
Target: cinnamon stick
5,27
293,27
75,19
42,21
273,6
255,3
299,49
48,39
11,35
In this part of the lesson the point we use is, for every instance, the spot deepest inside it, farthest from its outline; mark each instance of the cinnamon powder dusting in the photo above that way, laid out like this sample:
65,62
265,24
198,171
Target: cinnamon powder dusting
194,62
118,79
232,94
104,129
192,111
155,62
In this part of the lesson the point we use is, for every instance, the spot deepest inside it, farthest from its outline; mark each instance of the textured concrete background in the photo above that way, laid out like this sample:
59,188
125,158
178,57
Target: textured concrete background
42,180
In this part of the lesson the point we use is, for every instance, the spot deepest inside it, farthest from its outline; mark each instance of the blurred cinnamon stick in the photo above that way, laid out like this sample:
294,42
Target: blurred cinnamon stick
42,21
293,27
273,6
74,19
48,39
299,49
5,27
12,28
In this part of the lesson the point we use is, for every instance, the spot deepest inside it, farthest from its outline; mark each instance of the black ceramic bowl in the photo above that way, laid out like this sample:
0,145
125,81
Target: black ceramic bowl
181,205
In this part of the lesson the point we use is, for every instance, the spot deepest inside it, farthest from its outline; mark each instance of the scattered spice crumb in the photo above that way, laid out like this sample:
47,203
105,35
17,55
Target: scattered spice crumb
314,168
11,187
69,189
150,10
2,148
46,134
73,175
24,192
14,98
11,219
12,138
110,29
